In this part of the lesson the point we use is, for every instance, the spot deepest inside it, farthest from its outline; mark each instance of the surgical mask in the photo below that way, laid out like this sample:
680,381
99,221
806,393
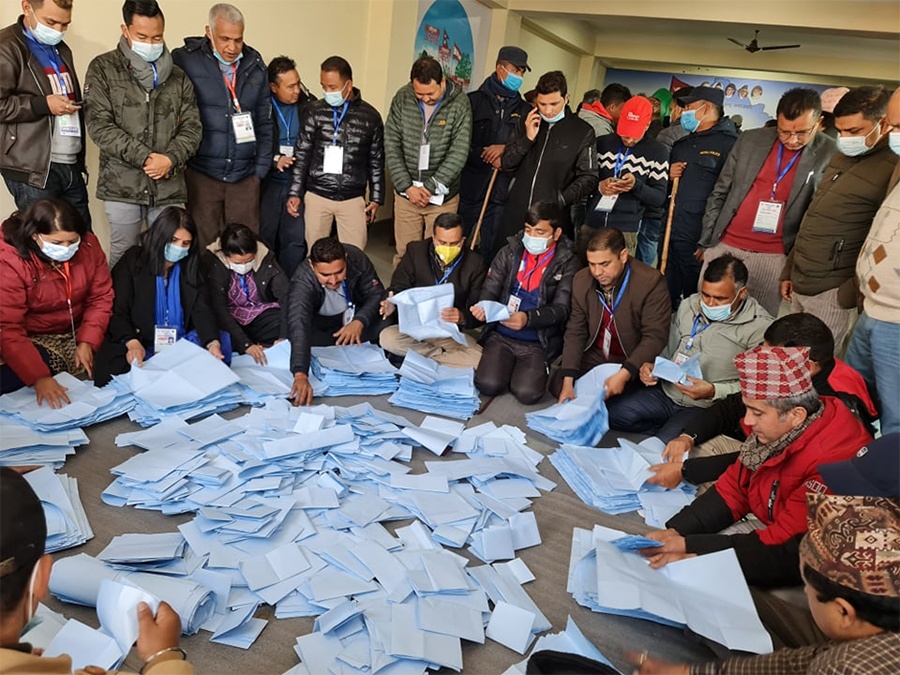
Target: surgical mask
854,146
44,34
535,245
894,141
717,312
512,81
59,252
241,268
333,98
689,121
448,253
221,59
149,51
555,118
174,253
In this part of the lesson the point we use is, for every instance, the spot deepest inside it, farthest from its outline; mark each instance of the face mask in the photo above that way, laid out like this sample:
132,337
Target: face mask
222,60
241,268
717,313
689,121
894,141
174,253
535,245
447,253
334,98
512,81
149,51
853,146
44,34
555,118
58,252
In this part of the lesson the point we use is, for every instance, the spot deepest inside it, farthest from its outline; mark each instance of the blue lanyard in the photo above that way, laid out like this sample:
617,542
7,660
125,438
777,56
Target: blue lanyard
155,75
346,294
427,121
449,270
620,160
781,174
618,301
694,333
338,120
287,124
540,261
242,280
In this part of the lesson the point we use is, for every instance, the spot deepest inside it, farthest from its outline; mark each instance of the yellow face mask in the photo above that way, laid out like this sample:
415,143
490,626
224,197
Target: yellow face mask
448,253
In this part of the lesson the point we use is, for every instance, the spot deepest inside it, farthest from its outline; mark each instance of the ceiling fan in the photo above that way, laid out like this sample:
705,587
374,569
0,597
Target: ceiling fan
754,47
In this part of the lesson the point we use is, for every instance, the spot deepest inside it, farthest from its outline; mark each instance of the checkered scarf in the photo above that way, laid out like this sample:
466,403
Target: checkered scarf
754,453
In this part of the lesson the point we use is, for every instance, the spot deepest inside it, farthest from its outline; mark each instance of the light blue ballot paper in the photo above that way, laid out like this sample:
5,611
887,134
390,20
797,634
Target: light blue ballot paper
419,312
493,311
672,372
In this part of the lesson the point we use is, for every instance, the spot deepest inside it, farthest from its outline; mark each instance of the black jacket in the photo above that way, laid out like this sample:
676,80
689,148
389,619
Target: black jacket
271,282
419,267
306,98
361,135
554,295
558,166
220,157
307,295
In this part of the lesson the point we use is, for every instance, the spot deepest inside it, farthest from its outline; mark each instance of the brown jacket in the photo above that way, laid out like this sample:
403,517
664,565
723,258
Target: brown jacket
642,319
15,662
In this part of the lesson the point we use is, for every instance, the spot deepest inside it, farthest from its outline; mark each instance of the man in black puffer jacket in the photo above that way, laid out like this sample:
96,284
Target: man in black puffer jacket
340,151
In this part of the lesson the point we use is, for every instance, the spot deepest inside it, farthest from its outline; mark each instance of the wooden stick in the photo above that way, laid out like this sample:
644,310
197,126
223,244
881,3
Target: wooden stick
665,251
487,197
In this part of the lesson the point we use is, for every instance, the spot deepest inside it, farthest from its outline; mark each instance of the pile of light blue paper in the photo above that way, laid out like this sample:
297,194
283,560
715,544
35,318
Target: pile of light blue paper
352,370
67,523
272,380
20,445
429,387
613,480
569,641
583,421
706,593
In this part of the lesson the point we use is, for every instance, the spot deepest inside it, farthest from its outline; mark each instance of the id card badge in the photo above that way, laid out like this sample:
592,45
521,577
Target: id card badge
164,337
680,358
286,150
69,126
334,159
348,315
606,203
243,128
513,303
768,217
424,156
607,341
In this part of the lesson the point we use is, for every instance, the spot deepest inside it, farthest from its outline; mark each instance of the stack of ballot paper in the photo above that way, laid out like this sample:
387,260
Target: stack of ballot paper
583,421
570,641
352,370
271,380
419,312
89,405
707,593
429,387
67,523
676,373
613,479
20,445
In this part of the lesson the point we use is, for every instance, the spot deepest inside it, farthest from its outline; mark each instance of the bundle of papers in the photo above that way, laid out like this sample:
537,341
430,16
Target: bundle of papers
570,641
583,421
429,387
352,370
419,312
273,379
676,373
67,523
493,311
613,479
20,445
89,405
707,593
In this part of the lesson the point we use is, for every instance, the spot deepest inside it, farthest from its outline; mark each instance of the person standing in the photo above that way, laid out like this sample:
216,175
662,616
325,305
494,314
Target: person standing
426,141
235,153
40,109
141,164
339,154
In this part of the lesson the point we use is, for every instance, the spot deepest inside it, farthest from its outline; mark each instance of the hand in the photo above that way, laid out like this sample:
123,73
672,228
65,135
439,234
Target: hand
492,153
157,166
697,390
646,375
698,255
478,312
349,334
607,187
648,666
371,212
667,474
626,183
418,196
156,633
516,321
678,448
567,393
301,392
532,124
284,162
48,389
615,384
386,307
60,104
136,352
293,206
84,358
676,169
787,290
663,559
258,353
215,348
452,315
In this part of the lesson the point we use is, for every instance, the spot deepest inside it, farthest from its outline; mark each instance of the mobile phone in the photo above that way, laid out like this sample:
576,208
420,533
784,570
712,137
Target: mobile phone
78,103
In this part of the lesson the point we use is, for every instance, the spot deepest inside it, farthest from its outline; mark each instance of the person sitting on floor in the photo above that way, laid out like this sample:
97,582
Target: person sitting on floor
441,259
532,276
161,296
57,299
248,290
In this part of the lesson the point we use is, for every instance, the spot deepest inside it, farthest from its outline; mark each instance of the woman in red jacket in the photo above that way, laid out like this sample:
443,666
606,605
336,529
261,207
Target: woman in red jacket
57,299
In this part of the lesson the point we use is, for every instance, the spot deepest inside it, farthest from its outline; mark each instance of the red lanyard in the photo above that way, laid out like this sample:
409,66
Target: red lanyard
230,84
64,272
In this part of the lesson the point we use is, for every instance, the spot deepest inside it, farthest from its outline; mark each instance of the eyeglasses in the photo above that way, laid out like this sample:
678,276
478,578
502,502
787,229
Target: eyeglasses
800,135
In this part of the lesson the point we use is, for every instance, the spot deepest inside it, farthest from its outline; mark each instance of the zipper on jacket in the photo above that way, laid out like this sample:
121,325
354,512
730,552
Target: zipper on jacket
49,119
538,167
772,500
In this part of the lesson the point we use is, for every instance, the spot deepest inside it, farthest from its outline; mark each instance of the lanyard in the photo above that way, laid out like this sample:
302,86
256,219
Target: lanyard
618,300
346,294
230,84
449,270
426,121
53,57
64,271
338,120
781,174
155,75
620,160
287,124
242,280
540,261
694,332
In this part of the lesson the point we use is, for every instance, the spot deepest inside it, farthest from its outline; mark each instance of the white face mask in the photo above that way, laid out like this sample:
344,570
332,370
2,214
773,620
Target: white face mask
894,141
44,34
854,146
31,621
59,252
241,268
149,51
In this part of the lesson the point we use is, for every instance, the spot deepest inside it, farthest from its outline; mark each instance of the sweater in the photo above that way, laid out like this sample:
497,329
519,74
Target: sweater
879,261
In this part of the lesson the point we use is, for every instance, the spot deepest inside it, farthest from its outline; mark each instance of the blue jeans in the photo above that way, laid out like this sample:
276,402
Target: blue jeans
64,182
878,342
650,233
648,410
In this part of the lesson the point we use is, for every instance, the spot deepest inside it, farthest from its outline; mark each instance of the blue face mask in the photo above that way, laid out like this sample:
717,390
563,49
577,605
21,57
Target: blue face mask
174,253
715,313
555,118
148,51
222,60
535,245
894,141
334,98
44,34
854,146
512,81
59,252
689,121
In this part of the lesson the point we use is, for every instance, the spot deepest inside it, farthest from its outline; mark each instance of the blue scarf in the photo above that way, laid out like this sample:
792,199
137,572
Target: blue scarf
493,85
168,300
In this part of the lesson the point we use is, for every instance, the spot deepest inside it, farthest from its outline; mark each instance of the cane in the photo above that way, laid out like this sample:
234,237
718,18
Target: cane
484,206
665,252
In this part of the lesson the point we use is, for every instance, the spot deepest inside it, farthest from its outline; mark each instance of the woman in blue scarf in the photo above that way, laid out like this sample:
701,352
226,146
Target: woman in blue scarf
160,297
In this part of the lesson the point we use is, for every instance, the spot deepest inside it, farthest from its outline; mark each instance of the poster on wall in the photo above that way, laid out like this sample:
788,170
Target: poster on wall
455,32
753,99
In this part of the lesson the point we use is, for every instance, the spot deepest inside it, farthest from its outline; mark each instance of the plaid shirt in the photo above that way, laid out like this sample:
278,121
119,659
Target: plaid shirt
876,655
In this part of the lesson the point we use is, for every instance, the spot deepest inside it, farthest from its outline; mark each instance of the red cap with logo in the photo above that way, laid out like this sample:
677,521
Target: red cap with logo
635,117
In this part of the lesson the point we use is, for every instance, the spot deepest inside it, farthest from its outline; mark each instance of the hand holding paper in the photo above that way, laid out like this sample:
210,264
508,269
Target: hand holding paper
668,370
493,311
419,312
